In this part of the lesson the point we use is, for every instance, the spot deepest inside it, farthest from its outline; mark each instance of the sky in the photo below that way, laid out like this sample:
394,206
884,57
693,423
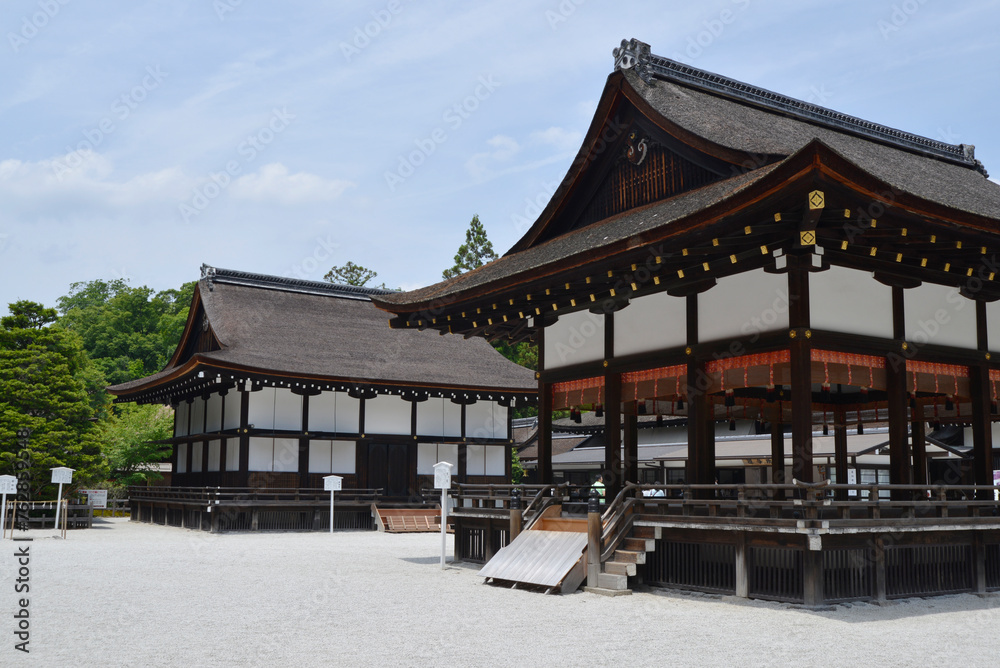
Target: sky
141,139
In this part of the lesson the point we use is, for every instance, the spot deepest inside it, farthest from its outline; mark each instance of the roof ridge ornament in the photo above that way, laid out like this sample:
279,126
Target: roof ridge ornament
634,55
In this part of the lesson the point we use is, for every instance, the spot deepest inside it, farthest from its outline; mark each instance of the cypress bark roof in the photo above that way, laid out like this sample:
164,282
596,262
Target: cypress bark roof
311,329
755,130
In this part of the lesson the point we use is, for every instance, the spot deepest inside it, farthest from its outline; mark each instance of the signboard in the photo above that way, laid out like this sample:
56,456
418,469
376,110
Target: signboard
8,484
333,483
62,475
852,479
442,475
98,498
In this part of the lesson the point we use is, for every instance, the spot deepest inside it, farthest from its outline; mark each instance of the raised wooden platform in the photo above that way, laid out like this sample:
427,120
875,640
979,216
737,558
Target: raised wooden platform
407,520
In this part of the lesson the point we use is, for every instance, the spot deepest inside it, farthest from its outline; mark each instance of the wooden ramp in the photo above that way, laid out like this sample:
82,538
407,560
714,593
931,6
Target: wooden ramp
407,520
554,560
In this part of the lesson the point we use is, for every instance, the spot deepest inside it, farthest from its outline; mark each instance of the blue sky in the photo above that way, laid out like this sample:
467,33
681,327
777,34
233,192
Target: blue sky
142,139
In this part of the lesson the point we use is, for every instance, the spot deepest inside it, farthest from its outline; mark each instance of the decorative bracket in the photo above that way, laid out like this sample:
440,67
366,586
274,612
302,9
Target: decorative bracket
633,54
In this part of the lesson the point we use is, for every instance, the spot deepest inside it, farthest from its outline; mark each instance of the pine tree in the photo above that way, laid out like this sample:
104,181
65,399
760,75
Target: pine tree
475,252
350,274
44,378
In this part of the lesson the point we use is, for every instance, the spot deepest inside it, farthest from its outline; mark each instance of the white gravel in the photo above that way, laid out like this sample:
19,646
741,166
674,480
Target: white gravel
129,594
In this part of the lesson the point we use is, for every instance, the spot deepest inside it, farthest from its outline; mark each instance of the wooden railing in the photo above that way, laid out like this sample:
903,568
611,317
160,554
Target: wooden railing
247,496
819,501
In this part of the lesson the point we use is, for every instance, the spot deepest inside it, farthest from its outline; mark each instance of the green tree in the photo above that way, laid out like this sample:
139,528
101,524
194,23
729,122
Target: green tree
517,472
350,274
128,332
129,436
475,252
44,377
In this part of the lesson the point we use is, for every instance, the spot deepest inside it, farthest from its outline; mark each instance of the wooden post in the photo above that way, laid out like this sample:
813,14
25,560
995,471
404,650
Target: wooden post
812,572
612,436
982,430
979,559
840,449
880,584
742,572
800,369
899,458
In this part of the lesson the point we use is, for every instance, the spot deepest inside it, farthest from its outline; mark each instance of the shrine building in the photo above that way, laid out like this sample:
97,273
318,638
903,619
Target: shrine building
721,252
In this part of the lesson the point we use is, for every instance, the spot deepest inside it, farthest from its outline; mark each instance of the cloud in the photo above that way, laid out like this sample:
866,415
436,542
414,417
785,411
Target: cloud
272,182
559,138
503,148
86,182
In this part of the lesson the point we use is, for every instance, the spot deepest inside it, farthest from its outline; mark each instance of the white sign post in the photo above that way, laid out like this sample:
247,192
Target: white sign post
8,485
61,475
442,481
332,483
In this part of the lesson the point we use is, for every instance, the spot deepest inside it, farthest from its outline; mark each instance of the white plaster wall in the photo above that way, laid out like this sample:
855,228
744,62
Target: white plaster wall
181,419
323,412
496,460
851,301
214,455
746,304
430,417
387,414
233,454
232,408
939,315
573,339
287,410
261,413
649,323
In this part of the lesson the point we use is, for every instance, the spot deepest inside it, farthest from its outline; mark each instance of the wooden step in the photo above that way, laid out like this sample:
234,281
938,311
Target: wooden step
651,533
630,556
612,581
639,544
619,568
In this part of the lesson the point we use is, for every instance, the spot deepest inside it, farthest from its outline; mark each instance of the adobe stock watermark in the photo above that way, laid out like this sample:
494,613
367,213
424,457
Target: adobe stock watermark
453,117
248,149
562,12
121,109
223,7
306,268
364,35
900,16
533,207
32,24
712,29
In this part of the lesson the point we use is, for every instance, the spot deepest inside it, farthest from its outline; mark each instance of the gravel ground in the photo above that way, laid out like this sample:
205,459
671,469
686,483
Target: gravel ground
129,594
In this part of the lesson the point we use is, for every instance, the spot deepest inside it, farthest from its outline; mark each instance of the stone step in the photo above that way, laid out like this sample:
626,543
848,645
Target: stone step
651,533
638,544
630,556
612,581
619,568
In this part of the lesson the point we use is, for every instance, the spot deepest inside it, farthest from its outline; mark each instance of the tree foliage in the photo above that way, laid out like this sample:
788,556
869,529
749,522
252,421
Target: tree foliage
46,382
475,252
350,274
128,332
128,436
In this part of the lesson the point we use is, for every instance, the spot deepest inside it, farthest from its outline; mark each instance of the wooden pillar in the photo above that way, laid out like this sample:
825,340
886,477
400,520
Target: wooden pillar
630,439
544,462
840,449
919,445
304,445
244,439
899,456
742,572
982,429
612,435
812,572
801,369
701,441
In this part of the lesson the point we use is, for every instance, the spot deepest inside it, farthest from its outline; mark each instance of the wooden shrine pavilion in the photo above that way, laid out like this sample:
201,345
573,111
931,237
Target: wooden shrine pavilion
278,382
719,252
